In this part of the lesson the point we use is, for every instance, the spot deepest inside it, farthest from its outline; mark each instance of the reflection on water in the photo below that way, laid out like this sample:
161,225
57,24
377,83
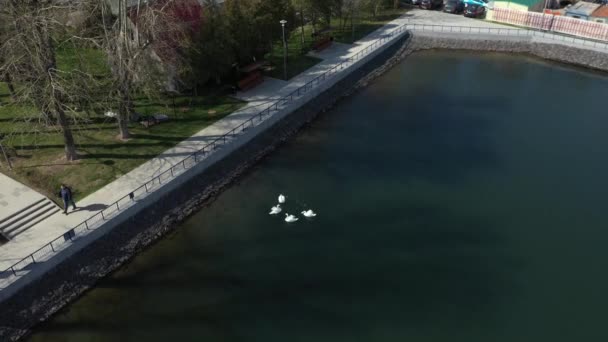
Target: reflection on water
460,198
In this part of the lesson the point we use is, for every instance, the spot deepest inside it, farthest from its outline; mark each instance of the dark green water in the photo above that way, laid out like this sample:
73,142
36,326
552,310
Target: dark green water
461,197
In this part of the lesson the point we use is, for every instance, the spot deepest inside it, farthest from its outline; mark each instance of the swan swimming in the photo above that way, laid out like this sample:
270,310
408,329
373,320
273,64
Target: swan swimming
290,218
281,198
275,210
309,213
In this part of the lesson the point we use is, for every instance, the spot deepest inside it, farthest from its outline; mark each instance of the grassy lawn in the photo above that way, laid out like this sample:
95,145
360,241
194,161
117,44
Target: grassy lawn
37,150
38,154
91,60
298,61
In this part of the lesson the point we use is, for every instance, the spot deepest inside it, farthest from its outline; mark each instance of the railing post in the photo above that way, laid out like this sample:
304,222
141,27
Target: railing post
51,244
14,273
102,215
86,224
33,260
117,207
146,186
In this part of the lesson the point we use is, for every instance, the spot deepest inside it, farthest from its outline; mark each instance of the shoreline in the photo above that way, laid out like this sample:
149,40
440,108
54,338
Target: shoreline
71,279
79,273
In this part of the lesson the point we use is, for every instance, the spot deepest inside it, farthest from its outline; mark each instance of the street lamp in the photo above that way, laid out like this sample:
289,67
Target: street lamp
283,22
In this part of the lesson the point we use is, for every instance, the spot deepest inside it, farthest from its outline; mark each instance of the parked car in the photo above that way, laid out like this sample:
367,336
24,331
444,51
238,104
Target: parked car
474,11
431,4
454,6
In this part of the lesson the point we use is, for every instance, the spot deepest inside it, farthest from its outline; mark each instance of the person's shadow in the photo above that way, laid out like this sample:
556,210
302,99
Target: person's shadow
92,207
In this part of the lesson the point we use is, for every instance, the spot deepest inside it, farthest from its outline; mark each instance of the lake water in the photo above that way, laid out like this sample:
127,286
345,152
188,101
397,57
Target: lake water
461,197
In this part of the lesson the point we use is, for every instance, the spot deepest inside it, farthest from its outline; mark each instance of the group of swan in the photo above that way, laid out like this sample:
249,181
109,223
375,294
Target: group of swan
288,217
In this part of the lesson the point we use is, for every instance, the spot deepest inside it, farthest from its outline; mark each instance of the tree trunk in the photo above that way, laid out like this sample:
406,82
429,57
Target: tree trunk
68,139
123,127
55,101
123,113
9,83
302,30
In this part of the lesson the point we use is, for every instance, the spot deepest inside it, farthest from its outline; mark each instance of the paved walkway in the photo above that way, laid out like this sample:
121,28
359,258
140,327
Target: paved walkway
15,196
258,99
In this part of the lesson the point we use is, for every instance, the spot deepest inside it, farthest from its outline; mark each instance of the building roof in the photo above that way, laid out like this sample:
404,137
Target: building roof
601,12
582,8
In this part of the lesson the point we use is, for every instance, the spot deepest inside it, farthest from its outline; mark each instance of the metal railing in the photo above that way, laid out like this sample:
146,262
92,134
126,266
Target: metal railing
127,201
191,160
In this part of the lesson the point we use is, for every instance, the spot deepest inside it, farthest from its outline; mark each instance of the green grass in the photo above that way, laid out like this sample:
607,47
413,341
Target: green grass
299,62
38,153
83,59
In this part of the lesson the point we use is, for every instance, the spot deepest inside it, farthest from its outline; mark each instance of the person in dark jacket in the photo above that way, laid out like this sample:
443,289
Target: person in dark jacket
66,195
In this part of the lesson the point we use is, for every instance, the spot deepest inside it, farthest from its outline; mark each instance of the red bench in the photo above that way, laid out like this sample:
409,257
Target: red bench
251,80
322,44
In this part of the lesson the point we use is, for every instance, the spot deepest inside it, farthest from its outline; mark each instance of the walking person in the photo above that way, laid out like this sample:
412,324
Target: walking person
66,195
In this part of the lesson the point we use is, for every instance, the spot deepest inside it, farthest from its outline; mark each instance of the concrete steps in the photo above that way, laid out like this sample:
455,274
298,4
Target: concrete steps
28,217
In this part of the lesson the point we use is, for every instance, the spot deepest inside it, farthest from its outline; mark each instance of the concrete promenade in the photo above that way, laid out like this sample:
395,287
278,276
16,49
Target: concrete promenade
14,196
258,99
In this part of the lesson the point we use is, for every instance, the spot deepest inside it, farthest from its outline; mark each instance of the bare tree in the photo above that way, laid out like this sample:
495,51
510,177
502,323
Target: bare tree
29,62
141,45
5,75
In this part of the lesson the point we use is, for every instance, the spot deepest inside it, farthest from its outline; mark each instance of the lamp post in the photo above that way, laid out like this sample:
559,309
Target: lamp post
283,22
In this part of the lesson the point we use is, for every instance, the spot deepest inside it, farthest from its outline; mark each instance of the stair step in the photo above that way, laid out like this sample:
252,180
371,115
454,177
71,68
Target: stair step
27,217
3,239
24,215
39,219
20,212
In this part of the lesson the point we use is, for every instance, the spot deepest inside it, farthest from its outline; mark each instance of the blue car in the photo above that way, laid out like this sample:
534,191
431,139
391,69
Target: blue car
483,3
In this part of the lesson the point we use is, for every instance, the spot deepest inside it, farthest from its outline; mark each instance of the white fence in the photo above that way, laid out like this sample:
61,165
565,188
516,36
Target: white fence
550,22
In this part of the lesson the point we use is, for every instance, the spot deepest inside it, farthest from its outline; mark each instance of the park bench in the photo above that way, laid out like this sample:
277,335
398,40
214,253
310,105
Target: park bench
322,44
252,79
151,120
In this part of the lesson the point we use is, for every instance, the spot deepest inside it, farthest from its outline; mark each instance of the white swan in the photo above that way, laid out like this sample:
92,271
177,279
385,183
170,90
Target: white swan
309,213
275,210
290,218
281,198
